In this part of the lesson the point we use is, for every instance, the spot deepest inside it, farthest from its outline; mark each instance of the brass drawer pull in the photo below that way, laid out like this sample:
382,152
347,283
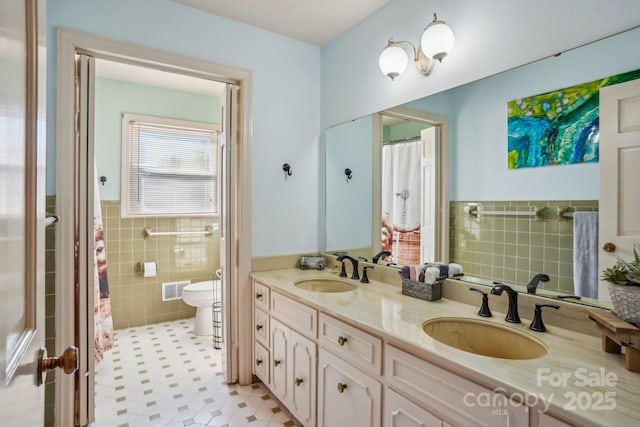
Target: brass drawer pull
258,362
258,327
258,295
341,387
276,362
298,381
341,341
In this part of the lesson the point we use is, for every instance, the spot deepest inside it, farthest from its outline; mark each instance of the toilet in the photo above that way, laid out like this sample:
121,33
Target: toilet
201,296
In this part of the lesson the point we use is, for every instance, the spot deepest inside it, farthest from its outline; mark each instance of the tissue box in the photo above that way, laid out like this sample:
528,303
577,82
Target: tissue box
422,290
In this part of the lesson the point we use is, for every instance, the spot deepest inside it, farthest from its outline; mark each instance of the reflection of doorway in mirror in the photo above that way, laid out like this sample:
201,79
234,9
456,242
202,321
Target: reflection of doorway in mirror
407,176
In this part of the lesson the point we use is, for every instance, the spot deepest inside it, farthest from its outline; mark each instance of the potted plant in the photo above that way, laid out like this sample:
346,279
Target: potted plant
624,286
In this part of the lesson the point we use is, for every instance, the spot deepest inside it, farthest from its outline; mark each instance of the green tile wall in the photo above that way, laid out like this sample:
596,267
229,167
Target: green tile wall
137,300
512,249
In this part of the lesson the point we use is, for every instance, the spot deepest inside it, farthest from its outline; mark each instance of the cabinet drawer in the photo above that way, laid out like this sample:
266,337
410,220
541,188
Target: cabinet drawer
449,396
261,362
298,316
261,296
261,327
351,344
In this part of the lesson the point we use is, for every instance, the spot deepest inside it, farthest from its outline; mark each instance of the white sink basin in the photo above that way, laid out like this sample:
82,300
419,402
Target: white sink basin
484,338
325,285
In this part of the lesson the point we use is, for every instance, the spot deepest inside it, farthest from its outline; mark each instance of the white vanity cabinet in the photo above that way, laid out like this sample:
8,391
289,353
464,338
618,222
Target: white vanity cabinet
455,399
293,371
346,395
285,358
400,412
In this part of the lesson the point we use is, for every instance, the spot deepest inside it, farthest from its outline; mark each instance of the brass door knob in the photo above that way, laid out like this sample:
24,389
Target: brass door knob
341,387
258,295
258,362
609,247
298,381
276,362
68,361
258,327
341,341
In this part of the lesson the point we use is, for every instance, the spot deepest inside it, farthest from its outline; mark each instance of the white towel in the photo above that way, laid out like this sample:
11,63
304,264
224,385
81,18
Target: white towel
431,274
585,254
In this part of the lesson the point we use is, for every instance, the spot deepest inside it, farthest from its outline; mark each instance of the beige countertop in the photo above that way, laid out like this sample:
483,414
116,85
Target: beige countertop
576,379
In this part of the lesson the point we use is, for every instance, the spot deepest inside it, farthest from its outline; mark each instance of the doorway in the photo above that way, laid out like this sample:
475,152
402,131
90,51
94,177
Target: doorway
422,138
75,196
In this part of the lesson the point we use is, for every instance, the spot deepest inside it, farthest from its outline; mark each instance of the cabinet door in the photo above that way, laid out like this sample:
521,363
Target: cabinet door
302,362
399,412
279,372
346,395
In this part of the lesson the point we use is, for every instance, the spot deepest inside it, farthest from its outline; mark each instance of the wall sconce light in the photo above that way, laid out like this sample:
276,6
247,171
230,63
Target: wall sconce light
287,170
349,174
437,41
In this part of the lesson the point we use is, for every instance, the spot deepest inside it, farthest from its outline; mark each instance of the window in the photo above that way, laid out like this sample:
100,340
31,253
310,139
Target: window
169,167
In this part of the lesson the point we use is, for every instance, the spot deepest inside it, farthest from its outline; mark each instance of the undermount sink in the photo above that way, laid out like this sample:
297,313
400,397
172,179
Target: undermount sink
483,338
325,285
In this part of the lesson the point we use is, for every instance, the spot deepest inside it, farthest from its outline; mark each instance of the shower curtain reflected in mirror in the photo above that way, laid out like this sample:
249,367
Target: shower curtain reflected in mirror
401,195
103,322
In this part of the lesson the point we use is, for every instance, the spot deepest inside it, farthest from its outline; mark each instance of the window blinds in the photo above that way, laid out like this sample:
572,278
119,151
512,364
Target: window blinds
171,169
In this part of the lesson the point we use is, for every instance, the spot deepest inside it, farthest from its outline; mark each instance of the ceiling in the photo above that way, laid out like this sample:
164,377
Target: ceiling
313,21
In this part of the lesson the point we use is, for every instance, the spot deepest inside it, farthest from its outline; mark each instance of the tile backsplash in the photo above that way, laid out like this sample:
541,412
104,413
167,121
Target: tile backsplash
513,248
137,300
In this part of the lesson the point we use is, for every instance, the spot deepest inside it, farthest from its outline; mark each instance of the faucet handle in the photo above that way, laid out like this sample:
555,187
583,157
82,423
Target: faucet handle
537,324
343,270
484,308
365,279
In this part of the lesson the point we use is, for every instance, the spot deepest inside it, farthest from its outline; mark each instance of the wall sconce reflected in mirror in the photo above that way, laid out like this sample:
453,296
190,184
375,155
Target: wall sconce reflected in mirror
437,41
349,174
287,170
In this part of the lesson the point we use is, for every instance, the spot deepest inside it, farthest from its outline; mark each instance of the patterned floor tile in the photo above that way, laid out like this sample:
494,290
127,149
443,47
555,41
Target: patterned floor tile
163,375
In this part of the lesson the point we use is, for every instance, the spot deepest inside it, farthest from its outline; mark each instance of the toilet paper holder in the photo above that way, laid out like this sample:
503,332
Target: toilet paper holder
141,268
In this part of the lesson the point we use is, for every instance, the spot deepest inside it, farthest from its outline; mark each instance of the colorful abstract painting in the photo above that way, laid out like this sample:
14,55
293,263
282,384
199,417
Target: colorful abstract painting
559,127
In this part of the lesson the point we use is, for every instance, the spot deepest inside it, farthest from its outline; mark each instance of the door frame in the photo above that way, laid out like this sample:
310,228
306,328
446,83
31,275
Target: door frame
69,43
441,124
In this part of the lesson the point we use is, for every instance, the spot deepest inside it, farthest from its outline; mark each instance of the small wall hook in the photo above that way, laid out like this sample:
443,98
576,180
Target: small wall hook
349,174
287,170
103,179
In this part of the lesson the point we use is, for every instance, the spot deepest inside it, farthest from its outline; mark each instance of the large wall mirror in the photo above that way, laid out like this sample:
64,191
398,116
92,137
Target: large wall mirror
532,230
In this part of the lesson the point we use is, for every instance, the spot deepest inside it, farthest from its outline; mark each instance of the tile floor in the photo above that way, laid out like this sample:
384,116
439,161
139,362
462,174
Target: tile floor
163,375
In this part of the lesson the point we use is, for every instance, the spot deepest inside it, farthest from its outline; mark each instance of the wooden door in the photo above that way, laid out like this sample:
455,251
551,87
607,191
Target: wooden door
619,221
279,363
22,214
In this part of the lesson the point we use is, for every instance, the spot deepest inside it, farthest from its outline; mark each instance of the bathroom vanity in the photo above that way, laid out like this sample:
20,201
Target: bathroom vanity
358,355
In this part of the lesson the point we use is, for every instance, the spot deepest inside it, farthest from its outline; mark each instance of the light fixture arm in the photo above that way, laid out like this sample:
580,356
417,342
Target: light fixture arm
424,64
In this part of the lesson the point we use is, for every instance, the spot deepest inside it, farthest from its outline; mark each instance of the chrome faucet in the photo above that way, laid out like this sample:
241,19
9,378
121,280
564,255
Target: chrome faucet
379,255
354,262
512,312
533,284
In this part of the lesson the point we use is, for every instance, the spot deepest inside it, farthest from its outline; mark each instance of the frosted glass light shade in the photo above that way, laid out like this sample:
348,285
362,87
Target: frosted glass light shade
393,61
437,40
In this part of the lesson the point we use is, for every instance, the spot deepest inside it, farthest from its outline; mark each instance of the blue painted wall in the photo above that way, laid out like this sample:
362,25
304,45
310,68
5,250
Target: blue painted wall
115,97
286,101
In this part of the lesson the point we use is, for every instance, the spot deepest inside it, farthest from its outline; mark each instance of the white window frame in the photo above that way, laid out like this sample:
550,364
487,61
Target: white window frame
125,197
